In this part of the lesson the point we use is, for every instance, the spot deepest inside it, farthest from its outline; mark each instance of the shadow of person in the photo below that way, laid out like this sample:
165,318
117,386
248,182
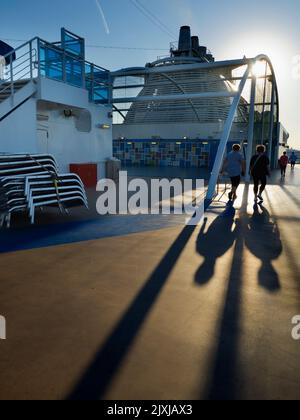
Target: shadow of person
213,244
262,238
292,175
282,181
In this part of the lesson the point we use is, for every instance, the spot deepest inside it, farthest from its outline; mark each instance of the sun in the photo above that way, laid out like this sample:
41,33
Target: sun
259,69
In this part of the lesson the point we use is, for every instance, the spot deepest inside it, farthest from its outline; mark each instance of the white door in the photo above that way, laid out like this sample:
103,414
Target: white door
43,141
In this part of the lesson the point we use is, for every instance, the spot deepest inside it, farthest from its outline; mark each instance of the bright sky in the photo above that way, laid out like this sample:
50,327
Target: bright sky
230,28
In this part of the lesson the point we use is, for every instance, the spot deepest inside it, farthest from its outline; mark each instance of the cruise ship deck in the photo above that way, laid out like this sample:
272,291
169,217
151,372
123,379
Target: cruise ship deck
150,309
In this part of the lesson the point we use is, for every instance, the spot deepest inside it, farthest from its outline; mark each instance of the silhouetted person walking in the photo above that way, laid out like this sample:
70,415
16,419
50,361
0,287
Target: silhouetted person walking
260,169
293,160
283,163
235,166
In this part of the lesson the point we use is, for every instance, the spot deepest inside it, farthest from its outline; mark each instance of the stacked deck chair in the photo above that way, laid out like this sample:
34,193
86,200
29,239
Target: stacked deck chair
28,182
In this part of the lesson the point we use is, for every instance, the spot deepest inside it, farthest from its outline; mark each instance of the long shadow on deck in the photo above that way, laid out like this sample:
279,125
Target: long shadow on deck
291,253
222,384
261,236
213,244
97,378
291,196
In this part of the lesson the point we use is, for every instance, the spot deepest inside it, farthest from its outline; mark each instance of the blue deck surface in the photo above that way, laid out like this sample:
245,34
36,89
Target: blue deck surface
44,235
40,236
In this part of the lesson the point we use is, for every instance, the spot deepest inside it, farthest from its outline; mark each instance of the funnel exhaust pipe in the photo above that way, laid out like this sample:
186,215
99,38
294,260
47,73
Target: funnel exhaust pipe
185,41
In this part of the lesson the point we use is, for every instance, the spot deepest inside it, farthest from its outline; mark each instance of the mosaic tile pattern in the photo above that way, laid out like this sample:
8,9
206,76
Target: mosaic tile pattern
183,154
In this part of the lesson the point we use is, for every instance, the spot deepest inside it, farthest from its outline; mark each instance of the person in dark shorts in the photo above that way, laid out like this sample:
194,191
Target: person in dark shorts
293,160
283,163
235,166
260,170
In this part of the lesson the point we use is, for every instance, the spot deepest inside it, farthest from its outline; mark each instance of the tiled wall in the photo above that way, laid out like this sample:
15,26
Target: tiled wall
184,154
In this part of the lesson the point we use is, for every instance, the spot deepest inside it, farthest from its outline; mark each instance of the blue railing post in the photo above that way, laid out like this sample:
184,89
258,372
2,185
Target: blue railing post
92,82
64,67
39,56
83,74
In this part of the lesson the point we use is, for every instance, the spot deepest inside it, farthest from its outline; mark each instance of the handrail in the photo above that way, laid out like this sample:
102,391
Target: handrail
96,83
30,64
20,47
19,68
68,54
54,47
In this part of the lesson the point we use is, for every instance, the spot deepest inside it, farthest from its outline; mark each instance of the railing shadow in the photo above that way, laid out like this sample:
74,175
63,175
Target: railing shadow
260,235
291,196
98,376
289,251
223,384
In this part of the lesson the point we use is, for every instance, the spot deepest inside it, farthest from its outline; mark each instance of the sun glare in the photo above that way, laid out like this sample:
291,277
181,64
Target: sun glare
259,69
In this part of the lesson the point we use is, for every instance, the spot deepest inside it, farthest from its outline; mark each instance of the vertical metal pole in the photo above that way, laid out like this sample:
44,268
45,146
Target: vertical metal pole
31,65
92,82
224,140
82,45
64,70
39,56
63,38
271,130
63,46
12,86
110,89
279,137
264,107
83,74
251,127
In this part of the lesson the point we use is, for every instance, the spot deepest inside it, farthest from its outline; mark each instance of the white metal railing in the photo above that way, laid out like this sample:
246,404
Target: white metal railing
22,68
38,58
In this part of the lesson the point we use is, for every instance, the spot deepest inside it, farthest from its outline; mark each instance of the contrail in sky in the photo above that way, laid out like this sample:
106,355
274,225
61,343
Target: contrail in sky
106,27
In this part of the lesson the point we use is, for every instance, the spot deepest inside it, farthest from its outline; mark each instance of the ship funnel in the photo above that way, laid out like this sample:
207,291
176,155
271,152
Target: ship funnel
195,43
189,47
185,42
203,51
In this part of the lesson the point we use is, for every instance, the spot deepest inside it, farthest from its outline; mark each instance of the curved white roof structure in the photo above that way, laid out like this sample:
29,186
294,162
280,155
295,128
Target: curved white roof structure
191,88
186,111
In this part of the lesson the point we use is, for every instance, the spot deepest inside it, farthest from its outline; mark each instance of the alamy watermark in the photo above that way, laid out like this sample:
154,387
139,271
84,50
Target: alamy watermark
296,67
2,328
158,196
296,328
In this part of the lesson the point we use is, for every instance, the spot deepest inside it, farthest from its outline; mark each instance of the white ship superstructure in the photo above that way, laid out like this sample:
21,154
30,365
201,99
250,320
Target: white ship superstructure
53,101
189,99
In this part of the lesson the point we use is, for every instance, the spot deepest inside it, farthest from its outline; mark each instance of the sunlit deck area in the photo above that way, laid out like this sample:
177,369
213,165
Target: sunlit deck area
154,309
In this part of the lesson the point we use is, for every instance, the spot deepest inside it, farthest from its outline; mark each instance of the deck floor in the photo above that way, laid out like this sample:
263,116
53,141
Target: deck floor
161,312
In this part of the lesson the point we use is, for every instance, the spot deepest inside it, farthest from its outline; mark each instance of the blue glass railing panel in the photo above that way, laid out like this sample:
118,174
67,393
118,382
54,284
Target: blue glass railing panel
51,62
59,65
